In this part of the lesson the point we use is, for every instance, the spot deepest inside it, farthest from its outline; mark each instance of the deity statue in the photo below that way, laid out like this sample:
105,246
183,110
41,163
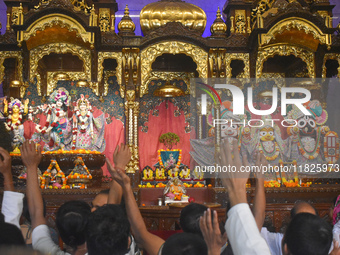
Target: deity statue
57,127
185,173
147,174
172,172
88,132
14,111
160,174
175,186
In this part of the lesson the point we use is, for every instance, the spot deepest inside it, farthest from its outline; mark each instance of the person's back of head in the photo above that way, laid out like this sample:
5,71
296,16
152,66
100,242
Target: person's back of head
307,234
10,234
302,207
71,222
108,231
184,244
190,218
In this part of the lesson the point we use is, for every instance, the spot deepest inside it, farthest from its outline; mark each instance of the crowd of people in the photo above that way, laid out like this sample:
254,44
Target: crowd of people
113,223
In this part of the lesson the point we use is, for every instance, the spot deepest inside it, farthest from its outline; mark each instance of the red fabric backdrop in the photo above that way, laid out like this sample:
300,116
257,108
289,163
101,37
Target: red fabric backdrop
165,122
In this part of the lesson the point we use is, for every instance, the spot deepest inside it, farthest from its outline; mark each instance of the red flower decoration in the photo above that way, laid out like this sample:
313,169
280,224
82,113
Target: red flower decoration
87,96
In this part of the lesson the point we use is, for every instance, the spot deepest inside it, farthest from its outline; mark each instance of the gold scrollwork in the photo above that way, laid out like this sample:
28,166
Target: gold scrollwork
285,50
240,21
73,76
104,19
169,76
294,23
241,56
107,75
11,54
148,56
334,56
60,48
118,56
59,20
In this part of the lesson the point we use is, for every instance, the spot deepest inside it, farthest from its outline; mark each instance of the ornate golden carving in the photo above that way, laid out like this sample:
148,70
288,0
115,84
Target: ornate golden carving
157,14
131,63
130,95
126,24
80,5
17,15
149,55
261,7
118,56
241,56
11,54
294,23
169,76
59,20
73,76
104,19
285,50
240,21
217,63
107,75
335,56
60,48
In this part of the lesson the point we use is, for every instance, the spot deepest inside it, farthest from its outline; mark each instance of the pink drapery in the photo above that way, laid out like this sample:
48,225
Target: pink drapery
165,122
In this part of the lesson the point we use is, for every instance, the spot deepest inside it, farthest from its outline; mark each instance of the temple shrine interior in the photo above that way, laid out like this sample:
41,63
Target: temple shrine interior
82,77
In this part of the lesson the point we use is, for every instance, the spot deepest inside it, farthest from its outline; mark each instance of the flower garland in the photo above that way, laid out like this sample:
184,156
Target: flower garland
337,154
313,154
272,155
179,157
47,173
80,176
10,126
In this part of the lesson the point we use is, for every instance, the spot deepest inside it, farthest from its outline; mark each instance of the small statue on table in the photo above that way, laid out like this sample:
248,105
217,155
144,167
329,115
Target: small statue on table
175,189
172,172
160,174
80,176
147,174
53,177
197,174
185,173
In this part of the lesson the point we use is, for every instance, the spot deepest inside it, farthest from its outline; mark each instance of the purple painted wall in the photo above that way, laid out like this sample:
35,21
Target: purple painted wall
210,8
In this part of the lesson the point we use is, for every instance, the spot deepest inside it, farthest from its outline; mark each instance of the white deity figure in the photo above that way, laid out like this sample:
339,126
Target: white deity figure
88,132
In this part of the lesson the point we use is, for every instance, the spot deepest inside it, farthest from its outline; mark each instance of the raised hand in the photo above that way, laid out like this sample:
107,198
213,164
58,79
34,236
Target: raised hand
121,156
5,162
211,233
118,175
30,156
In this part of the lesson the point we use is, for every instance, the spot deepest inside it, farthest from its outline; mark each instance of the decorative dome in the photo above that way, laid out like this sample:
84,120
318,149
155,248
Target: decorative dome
157,14
218,28
126,25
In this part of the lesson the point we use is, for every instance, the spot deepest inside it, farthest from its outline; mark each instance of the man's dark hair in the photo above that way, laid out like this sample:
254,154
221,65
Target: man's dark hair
108,231
10,234
308,234
297,205
71,222
184,244
190,218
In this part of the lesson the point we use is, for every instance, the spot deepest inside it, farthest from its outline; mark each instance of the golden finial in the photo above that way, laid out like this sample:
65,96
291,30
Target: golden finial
218,28
126,25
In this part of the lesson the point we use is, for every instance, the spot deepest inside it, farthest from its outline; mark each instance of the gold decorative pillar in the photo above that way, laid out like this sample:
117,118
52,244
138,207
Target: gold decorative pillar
217,67
131,115
130,81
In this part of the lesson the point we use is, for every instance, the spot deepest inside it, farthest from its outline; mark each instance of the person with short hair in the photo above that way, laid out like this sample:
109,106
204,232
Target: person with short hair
108,231
307,234
184,244
71,217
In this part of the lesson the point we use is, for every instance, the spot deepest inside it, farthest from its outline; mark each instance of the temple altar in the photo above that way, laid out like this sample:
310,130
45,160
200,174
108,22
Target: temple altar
79,80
